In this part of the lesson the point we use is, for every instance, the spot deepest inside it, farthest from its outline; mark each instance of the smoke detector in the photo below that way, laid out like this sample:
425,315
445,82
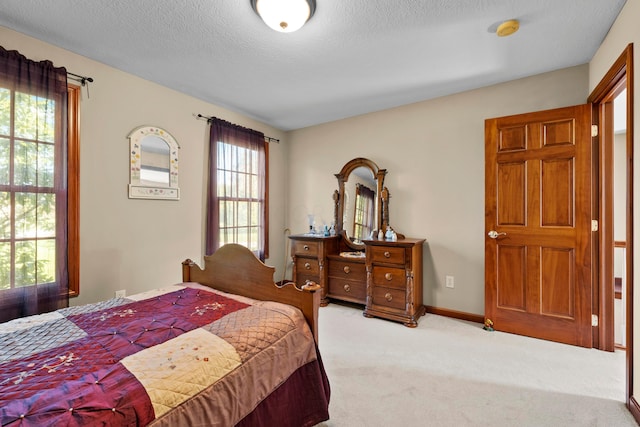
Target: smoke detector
508,27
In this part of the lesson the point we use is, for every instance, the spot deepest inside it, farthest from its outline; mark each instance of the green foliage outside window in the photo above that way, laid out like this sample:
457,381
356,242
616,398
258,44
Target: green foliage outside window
27,197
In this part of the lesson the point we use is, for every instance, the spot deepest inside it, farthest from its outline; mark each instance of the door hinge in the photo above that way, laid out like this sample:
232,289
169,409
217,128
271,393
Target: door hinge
594,225
594,130
594,320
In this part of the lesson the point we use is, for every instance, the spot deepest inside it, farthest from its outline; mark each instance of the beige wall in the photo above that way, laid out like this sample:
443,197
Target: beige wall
139,244
434,154
624,31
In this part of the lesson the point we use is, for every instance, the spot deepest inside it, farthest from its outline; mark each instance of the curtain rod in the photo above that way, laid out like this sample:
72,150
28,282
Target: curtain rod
82,79
208,119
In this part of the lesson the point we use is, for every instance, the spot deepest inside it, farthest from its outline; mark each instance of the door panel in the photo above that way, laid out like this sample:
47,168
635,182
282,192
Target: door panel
557,282
538,197
511,193
557,193
512,269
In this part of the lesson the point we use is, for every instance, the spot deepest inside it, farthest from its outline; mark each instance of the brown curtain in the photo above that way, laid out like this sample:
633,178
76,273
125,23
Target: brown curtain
228,181
31,284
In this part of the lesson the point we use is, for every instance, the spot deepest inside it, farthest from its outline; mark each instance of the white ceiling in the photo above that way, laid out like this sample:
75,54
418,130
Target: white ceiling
351,58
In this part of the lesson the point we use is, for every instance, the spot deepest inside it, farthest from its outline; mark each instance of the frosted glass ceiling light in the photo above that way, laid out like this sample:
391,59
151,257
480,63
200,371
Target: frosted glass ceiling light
285,16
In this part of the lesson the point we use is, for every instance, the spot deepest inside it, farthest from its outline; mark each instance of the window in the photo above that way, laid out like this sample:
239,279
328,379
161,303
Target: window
237,208
27,194
30,208
239,200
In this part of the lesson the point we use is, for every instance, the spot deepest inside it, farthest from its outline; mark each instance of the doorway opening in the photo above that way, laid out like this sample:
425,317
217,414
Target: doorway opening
619,142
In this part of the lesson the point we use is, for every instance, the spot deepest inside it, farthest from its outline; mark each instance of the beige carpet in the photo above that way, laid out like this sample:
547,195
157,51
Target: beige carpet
448,372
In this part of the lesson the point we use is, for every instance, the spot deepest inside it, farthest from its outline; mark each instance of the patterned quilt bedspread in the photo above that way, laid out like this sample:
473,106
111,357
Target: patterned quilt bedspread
130,361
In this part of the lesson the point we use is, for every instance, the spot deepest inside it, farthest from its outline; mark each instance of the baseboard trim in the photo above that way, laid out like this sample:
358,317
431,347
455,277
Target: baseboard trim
634,407
455,314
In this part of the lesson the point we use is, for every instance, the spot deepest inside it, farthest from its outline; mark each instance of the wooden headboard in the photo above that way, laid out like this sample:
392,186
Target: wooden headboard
235,269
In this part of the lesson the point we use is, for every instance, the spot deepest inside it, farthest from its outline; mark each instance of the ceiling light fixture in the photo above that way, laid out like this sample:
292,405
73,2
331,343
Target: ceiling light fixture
285,16
508,27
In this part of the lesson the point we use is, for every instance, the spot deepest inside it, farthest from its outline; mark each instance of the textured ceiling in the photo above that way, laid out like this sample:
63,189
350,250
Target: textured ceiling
351,58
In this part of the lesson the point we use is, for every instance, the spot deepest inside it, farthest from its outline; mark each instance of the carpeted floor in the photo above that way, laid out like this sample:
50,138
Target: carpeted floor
448,372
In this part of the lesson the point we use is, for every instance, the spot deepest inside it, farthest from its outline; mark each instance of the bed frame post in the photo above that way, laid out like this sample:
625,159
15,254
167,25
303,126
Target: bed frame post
186,270
313,319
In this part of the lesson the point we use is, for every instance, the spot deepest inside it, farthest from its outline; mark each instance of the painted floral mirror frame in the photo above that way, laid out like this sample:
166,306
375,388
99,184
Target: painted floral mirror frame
153,168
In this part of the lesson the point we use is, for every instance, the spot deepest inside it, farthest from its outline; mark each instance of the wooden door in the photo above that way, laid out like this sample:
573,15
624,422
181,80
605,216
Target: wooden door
538,202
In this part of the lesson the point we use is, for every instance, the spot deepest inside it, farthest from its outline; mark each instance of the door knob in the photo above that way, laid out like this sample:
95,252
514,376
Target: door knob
494,234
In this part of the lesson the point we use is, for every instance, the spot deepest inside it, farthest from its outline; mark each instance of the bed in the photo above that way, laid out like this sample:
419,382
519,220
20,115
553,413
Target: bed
225,347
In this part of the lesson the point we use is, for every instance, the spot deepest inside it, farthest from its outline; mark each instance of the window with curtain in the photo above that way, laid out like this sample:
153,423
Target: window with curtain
363,213
237,190
34,271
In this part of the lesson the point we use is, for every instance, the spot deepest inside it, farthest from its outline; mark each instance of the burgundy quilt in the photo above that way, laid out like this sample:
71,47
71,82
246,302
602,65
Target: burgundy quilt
182,356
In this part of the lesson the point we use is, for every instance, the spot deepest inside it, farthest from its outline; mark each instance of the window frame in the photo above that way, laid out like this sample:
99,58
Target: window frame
73,188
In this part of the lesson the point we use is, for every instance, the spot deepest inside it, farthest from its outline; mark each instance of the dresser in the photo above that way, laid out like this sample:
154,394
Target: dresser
309,254
386,280
394,280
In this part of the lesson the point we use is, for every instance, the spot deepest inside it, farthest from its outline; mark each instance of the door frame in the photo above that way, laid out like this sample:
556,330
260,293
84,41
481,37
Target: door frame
621,72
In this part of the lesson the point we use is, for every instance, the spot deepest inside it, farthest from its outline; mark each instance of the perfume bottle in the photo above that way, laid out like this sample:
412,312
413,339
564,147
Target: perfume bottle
389,233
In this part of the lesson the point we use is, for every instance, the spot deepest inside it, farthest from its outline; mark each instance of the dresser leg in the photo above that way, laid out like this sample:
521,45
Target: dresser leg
411,324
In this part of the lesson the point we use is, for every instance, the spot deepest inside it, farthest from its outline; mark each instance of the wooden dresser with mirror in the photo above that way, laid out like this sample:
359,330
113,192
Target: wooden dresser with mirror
354,265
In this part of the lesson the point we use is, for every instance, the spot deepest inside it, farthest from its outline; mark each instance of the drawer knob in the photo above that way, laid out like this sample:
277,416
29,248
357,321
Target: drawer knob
307,266
347,288
306,247
347,269
387,254
388,276
388,296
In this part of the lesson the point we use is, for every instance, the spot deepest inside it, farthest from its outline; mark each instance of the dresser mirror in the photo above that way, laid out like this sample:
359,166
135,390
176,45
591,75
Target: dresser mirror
358,200
153,164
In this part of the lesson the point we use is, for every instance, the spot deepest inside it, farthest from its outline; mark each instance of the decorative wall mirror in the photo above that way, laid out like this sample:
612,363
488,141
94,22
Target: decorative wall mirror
153,164
359,210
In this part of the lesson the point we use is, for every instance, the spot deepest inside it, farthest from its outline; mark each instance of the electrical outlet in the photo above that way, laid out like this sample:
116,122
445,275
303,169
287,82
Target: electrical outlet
121,293
449,282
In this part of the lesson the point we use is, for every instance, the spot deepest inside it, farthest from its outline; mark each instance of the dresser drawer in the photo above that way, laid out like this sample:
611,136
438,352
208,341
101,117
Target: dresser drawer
391,298
389,277
340,288
347,270
386,254
307,267
302,248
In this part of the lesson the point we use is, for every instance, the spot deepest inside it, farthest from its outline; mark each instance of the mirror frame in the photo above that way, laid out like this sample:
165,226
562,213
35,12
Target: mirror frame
136,189
343,177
